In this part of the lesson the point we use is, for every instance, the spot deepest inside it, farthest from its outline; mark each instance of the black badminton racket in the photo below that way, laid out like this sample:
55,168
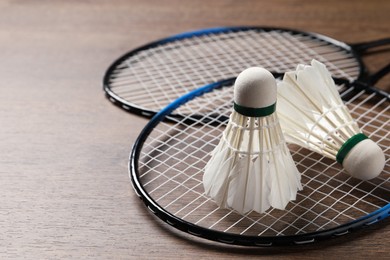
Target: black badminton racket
150,77
168,158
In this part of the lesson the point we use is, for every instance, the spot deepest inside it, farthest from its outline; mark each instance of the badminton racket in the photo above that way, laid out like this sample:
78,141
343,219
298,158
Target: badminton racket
167,161
150,77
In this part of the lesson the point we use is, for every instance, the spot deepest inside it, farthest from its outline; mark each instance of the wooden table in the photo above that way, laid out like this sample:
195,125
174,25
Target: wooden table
64,185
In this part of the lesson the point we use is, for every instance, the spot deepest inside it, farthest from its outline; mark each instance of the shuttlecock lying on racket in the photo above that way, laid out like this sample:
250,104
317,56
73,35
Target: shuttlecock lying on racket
313,115
251,168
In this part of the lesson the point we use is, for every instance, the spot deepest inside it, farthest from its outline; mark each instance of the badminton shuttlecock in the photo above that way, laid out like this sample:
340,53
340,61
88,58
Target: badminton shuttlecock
251,168
313,115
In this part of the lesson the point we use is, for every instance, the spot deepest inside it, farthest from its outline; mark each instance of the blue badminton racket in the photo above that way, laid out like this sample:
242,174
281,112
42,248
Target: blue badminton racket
167,162
148,78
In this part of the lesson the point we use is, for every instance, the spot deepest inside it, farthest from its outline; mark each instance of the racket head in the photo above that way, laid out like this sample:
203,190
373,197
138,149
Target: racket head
167,161
145,80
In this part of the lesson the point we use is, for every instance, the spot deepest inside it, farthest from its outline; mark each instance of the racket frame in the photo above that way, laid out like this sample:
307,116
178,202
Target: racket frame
225,237
143,111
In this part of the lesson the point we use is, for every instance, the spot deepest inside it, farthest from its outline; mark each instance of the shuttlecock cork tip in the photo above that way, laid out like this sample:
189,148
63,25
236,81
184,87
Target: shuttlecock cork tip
255,87
365,160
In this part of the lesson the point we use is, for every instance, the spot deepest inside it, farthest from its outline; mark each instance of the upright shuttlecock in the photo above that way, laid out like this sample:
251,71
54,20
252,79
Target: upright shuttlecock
251,168
313,115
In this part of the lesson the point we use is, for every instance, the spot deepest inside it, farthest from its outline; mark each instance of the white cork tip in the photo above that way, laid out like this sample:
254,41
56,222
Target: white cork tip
365,161
255,87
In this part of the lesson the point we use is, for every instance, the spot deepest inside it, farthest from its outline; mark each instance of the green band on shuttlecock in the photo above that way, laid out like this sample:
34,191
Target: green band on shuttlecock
348,145
254,112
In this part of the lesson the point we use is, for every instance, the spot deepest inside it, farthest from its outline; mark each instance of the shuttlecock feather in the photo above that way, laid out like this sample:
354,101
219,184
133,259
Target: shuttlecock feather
251,168
313,115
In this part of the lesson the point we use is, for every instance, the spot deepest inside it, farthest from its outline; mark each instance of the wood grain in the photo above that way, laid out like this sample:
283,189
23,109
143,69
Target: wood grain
64,187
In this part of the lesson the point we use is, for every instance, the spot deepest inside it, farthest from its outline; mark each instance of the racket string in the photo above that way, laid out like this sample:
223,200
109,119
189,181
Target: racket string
329,198
176,67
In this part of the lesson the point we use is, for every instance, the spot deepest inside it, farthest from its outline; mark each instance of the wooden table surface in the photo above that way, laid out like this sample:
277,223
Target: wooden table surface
64,185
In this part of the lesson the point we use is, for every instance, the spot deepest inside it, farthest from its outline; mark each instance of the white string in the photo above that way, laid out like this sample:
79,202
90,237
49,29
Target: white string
203,59
318,179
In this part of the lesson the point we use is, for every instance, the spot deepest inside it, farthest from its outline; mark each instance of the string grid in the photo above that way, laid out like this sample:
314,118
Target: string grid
174,68
173,156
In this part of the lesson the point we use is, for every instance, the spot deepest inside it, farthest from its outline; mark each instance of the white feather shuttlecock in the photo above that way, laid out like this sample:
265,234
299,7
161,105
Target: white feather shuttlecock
251,168
313,115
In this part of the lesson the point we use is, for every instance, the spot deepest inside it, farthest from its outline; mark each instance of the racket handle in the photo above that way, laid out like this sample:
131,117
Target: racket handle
364,46
374,78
